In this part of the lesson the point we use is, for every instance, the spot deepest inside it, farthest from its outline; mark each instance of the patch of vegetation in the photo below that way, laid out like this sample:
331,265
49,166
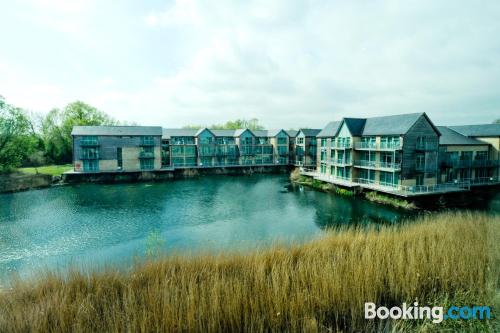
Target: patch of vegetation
317,286
388,200
53,170
344,192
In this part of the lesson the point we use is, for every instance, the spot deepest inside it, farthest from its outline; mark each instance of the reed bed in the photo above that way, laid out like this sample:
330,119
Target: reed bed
319,286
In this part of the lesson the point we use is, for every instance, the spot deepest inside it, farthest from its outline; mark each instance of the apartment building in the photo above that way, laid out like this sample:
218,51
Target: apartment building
136,148
116,148
400,154
306,147
400,150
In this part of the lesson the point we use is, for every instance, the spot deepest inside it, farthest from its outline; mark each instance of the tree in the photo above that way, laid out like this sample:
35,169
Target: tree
16,139
58,124
497,121
252,124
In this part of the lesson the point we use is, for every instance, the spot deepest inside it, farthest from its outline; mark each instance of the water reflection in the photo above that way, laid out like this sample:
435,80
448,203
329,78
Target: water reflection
102,224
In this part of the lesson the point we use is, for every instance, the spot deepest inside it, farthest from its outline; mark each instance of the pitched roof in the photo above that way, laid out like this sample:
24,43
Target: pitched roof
169,132
223,132
451,137
355,125
329,130
391,125
117,130
310,131
478,130
292,133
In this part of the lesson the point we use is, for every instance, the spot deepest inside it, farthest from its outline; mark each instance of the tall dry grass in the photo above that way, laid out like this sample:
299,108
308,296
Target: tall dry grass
318,286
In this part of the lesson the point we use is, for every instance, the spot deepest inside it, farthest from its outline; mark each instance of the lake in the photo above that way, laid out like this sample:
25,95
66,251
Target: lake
91,225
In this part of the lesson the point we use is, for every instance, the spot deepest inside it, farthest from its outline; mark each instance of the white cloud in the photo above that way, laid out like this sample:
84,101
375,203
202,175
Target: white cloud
290,63
293,63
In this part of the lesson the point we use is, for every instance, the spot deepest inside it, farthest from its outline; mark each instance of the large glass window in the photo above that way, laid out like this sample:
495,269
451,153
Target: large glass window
147,164
282,140
90,165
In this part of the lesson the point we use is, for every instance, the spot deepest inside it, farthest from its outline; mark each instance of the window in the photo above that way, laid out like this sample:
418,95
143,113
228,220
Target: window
420,162
482,155
282,141
300,141
91,153
148,141
323,155
90,165
119,157
89,141
147,164
246,141
282,150
323,142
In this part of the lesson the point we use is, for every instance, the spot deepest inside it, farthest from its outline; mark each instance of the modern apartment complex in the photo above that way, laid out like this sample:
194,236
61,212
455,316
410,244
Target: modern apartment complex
401,154
407,154
138,148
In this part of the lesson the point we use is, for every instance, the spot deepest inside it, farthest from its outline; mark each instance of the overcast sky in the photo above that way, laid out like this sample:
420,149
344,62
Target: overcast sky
288,63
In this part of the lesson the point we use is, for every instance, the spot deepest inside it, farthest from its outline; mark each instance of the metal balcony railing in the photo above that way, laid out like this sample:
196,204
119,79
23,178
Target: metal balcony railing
426,146
366,145
391,145
89,142
146,154
342,145
147,142
378,165
93,156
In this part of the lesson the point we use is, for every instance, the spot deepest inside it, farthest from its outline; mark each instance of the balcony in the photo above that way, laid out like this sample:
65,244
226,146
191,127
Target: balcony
366,145
378,165
226,150
247,150
342,162
206,150
146,154
89,143
426,146
342,145
392,188
391,146
147,142
94,156
485,163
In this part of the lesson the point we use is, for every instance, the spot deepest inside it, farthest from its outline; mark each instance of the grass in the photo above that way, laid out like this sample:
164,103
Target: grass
53,170
320,286
388,200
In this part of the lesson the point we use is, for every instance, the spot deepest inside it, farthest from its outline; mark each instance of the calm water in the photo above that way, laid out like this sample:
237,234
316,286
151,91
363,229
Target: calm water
90,225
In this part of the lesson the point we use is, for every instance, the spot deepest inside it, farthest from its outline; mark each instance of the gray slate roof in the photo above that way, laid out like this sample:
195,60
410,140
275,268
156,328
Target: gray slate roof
310,131
330,129
292,133
450,137
223,132
355,125
169,132
478,130
117,130
390,125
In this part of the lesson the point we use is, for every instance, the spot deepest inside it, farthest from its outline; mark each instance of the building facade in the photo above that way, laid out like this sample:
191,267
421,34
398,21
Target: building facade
399,154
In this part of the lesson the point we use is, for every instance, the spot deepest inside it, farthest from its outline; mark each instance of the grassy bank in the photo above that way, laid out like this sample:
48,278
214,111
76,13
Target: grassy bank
53,170
388,200
317,286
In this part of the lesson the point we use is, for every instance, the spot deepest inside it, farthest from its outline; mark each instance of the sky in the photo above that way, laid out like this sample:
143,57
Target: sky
288,63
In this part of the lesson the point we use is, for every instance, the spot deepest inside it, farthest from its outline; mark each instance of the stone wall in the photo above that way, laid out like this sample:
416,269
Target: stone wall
20,182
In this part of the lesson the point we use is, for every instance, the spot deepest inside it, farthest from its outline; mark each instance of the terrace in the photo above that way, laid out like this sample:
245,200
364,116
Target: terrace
395,189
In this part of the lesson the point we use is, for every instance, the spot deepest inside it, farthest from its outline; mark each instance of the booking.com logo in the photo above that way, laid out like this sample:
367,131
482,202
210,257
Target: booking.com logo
436,313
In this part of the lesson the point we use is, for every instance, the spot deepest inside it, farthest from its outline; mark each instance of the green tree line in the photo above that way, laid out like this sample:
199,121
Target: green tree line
30,139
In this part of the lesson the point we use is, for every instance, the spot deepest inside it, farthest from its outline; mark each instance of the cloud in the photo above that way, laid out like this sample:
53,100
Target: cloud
292,63
296,63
